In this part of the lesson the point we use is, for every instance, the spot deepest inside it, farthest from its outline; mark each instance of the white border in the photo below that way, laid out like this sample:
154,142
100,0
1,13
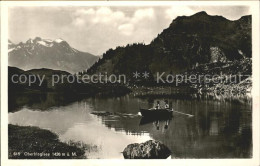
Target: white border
212,162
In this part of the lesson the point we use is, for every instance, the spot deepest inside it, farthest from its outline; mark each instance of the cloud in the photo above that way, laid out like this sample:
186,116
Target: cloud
143,14
126,29
79,21
99,15
84,11
112,28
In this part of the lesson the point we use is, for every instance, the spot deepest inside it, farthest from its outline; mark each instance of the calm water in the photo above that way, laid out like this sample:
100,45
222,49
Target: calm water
220,128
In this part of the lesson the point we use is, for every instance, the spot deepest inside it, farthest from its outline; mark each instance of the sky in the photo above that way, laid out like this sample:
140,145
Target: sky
96,29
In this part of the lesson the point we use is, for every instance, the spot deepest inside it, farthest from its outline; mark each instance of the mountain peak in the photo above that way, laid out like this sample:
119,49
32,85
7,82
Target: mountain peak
48,53
205,16
246,18
10,42
59,40
36,39
196,15
202,13
30,41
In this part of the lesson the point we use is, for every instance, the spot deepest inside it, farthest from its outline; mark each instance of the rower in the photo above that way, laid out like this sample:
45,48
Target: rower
166,106
157,105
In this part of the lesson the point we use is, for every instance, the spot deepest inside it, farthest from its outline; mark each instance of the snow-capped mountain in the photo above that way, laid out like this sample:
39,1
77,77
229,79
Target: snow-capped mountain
45,53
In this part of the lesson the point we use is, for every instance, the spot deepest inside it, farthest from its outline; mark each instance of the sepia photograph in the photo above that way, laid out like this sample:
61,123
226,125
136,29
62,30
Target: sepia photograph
125,80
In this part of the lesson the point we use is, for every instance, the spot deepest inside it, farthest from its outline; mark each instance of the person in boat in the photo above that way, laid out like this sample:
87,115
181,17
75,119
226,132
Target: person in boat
166,124
157,124
157,105
166,106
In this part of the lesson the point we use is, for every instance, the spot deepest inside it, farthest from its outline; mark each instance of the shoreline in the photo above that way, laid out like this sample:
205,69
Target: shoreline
26,142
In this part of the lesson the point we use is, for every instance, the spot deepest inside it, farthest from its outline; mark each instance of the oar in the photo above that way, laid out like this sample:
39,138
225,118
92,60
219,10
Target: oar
182,113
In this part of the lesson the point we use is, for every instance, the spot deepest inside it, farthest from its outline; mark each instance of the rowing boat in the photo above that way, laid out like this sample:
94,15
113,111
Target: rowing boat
156,113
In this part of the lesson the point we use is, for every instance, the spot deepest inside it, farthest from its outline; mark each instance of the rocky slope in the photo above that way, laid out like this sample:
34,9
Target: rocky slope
233,76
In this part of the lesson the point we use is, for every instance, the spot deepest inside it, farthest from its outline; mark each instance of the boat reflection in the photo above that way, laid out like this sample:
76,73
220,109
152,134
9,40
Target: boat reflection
158,123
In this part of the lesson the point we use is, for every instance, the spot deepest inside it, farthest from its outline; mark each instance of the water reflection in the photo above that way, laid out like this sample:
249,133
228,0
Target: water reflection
161,125
218,129
74,122
40,101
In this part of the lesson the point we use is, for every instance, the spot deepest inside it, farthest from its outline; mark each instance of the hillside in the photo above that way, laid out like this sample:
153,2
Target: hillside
187,43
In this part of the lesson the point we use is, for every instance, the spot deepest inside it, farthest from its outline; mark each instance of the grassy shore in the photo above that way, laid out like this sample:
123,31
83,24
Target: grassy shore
35,143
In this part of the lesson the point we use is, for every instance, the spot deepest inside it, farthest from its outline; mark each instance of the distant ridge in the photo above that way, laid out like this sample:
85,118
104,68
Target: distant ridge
45,53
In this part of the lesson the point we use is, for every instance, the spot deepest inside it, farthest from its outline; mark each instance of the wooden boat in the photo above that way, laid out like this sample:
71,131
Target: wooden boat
156,113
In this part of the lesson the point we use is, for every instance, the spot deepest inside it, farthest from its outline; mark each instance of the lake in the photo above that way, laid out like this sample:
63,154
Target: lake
220,126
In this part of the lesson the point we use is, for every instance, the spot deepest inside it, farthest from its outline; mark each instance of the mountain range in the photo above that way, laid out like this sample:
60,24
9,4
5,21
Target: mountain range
44,53
188,42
